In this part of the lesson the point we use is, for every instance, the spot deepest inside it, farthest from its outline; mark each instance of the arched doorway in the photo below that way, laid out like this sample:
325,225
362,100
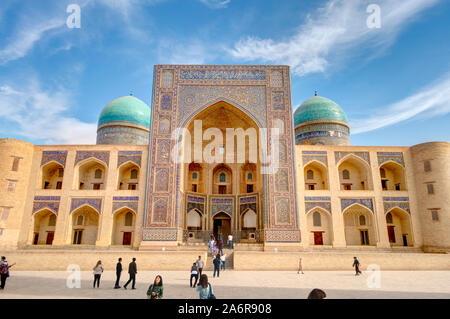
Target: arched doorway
128,177
44,227
85,221
320,224
123,228
52,176
354,174
398,224
392,177
221,226
359,226
315,175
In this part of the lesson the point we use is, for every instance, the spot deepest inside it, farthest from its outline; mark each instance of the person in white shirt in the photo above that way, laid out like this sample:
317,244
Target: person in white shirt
230,241
98,270
222,261
199,265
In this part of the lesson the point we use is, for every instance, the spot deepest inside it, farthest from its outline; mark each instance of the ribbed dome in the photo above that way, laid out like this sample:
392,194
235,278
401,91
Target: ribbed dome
126,109
317,109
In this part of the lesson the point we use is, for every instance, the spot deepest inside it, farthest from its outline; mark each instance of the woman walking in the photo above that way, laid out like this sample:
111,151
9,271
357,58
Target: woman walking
98,270
155,291
194,274
205,289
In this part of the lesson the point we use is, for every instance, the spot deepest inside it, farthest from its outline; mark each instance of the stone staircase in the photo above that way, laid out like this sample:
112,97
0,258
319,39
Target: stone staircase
209,266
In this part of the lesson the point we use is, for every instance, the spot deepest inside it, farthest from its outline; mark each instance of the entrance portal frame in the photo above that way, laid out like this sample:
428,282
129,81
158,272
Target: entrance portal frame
182,91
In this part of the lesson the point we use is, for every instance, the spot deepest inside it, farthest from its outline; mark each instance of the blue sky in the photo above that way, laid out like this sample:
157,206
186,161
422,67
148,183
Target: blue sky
393,81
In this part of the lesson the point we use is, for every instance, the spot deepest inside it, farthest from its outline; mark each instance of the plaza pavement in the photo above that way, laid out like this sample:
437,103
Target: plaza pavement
235,284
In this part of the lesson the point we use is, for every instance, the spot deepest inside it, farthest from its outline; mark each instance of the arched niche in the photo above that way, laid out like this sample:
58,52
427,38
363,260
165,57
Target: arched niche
392,177
320,227
248,178
124,224
354,174
52,175
44,225
398,223
90,174
222,179
194,220
85,221
359,226
128,178
316,176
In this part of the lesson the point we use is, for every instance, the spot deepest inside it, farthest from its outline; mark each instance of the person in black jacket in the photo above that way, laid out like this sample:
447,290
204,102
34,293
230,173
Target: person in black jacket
216,263
356,264
132,270
118,272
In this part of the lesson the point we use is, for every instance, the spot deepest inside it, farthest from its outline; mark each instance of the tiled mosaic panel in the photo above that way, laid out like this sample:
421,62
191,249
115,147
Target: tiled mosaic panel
222,205
276,79
162,180
311,205
96,203
53,206
159,211
362,155
166,102
396,157
282,211
132,156
57,156
167,79
159,234
366,202
278,101
222,75
164,124
282,236
119,205
100,155
400,202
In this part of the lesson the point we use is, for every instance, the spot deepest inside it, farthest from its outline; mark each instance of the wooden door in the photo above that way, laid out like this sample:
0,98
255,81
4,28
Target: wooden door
36,238
126,239
391,234
50,236
318,238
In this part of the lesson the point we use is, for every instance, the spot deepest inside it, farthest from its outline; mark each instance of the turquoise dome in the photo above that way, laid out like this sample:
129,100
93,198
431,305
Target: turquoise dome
319,109
126,109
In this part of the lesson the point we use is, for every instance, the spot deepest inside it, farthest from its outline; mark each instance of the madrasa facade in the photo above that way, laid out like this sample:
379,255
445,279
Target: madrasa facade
162,175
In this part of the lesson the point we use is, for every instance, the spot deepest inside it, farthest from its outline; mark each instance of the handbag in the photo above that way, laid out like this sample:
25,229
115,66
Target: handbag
211,295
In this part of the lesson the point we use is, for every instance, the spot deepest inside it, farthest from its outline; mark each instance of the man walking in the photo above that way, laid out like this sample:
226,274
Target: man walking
132,270
216,263
211,246
230,241
199,265
356,264
118,272
222,261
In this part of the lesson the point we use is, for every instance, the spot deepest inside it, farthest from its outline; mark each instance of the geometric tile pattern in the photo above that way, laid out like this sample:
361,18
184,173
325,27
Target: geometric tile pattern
346,202
132,156
390,156
96,203
400,202
100,155
57,156
362,155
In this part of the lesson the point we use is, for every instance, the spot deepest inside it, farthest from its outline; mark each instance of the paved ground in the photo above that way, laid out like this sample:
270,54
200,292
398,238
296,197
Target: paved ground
237,284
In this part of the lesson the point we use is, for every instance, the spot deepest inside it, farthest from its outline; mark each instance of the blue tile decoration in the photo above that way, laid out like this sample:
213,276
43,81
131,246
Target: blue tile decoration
222,204
100,155
53,206
366,202
396,157
128,204
316,201
57,156
247,199
95,203
159,234
392,202
47,198
309,156
282,236
222,75
195,199
166,102
278,100
126,198
363,155
132,156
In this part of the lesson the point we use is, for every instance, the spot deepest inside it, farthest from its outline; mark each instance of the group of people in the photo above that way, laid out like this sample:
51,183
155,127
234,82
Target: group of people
156,289
216,250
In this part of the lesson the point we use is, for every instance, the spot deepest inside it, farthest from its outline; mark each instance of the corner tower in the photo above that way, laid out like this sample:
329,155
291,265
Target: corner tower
321,121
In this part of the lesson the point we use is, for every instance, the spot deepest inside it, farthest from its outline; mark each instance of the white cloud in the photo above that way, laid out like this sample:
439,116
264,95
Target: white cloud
431,101
332,33
25,39
188,52
216,4
42,115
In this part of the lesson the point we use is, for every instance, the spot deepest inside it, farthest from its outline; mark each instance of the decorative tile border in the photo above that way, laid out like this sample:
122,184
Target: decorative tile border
100,155
282,236
366,202
222,74
132,156
396,157
53,206
195,199
319,156
57,156
126,198
363,155
220,204
248,199
120,205
317,199
47,198
159,234
96,203
392,202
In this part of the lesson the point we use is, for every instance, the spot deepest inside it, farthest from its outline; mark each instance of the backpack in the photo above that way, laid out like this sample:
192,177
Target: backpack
4,268
210,294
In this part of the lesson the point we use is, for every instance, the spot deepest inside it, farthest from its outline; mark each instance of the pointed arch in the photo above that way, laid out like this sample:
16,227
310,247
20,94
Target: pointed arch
319,178
359,173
